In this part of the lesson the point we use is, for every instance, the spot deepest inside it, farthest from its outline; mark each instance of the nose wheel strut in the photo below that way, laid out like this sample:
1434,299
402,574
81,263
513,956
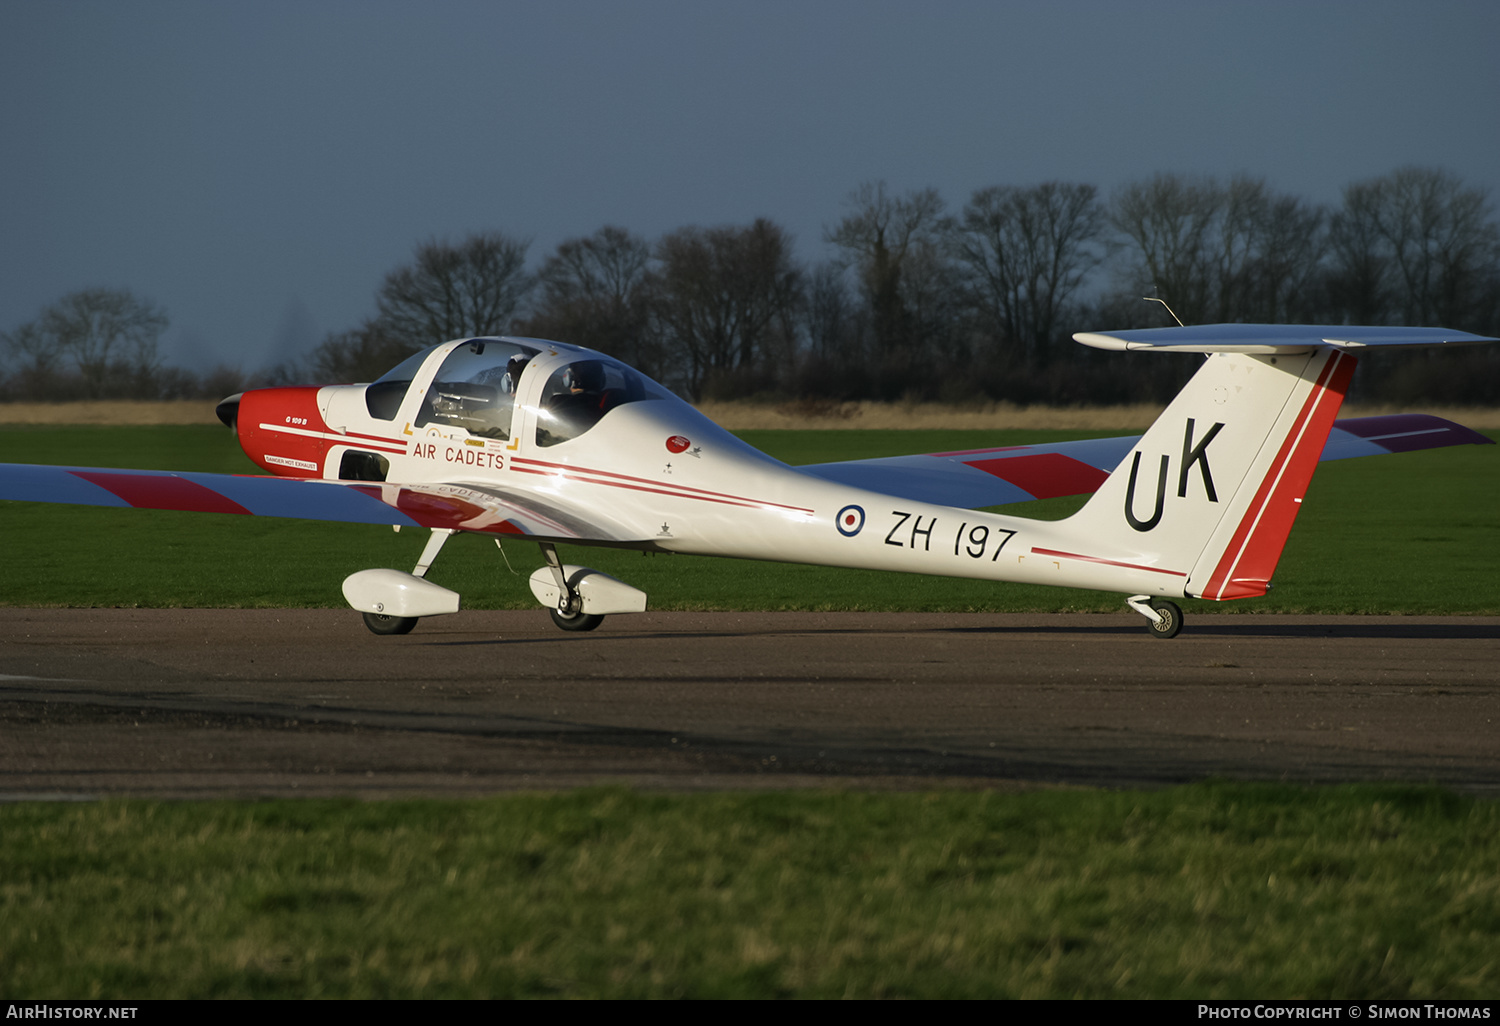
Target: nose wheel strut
380,623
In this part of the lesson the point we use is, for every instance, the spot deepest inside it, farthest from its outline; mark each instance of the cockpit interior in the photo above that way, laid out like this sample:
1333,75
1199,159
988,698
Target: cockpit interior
480,383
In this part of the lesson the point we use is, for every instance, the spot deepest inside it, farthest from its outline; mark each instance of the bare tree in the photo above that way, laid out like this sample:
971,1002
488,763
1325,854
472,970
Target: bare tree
109,335
1418,246
595,292
1360,282
932,297
360,354
1221,253
726,299
1286,273
1025,251
448,292
37,356
1169,222
834,324
878,237
1270,253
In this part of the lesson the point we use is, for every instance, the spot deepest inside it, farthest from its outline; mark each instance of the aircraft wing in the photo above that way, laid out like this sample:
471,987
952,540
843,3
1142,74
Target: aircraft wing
976,478
464,507
968,479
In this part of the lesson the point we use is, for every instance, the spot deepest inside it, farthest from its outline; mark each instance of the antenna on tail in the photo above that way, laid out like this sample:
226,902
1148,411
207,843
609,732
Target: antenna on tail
1163,302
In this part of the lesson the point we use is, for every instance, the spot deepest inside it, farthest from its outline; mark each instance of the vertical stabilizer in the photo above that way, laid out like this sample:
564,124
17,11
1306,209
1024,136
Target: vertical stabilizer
1209,493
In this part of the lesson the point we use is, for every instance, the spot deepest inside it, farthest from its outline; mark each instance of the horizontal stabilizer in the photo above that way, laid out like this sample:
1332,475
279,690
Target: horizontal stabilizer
1274,339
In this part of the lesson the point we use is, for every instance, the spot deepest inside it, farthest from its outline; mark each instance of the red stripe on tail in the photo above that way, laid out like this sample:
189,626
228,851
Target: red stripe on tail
1245,568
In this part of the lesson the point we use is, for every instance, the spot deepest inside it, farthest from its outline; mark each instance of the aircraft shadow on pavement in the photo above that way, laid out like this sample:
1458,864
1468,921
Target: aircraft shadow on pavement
1417,631
1218,628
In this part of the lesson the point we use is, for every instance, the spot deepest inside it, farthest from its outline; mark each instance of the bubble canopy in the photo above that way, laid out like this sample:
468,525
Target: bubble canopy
578,394
478,383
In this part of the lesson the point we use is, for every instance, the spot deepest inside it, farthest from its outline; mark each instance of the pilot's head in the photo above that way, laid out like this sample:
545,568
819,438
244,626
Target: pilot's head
513,371
584,376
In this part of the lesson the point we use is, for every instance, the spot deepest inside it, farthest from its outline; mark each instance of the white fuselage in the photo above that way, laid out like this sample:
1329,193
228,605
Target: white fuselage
657,474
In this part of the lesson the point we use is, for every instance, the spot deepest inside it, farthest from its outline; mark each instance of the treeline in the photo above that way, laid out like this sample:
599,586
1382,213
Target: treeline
920,302
100,343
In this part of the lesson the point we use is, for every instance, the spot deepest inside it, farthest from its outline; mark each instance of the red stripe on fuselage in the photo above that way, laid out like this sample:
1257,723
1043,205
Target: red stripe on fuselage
359,441
744,503
644,484
368,438
1106,562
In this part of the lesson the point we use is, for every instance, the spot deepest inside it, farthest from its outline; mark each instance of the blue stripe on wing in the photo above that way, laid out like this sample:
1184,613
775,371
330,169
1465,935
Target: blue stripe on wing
24,482
481,507
308,500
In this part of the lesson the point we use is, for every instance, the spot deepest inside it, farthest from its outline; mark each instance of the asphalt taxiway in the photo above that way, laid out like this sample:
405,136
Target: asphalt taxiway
246,703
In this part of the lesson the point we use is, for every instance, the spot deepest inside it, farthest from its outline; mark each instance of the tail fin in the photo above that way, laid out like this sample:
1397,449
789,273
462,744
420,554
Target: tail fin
1212,489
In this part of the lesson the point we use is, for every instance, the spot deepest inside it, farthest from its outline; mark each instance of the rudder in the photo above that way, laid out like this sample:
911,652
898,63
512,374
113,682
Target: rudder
1242,554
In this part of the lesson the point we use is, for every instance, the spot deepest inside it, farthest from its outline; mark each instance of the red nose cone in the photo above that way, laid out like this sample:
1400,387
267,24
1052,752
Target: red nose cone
282,430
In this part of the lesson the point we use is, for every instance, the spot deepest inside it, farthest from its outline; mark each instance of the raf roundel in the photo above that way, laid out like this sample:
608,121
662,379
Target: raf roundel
677,443
850,520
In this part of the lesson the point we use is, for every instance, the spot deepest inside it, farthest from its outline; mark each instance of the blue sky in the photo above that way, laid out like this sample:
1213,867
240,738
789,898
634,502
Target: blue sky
257,167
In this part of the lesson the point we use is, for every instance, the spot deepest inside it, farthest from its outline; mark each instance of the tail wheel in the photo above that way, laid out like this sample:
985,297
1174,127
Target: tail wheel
379,623
1169,619
576,621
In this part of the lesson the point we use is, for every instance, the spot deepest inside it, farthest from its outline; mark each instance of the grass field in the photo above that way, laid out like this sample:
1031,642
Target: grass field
1213,890
1412,533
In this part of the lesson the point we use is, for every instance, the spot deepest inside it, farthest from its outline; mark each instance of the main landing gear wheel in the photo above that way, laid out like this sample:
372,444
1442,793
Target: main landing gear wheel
379,623
1169,622
576,621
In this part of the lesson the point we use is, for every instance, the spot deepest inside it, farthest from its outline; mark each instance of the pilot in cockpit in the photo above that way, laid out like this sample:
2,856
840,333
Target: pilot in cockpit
580,394
481,400
513,371
582,401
